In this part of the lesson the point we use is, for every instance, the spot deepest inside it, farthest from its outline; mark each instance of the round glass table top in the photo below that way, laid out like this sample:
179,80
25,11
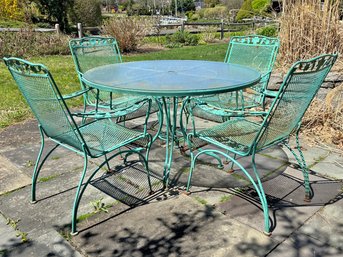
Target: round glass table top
171,77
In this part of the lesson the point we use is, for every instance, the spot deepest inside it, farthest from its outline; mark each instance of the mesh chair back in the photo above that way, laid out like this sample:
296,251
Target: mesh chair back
294,97
91,52
41,93
254,51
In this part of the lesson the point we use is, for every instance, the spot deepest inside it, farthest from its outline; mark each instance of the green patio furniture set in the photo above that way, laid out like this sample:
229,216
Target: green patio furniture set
246,122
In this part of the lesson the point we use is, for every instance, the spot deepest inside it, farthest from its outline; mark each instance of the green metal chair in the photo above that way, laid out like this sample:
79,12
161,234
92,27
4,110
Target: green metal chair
253,51
92,52
247,136
94,139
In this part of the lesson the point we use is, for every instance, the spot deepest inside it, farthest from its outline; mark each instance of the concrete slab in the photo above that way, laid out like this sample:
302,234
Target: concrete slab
8,239
285,194
312,154
49,244
176,227
11,177
15,136
331,166
207,173
304,246
326,225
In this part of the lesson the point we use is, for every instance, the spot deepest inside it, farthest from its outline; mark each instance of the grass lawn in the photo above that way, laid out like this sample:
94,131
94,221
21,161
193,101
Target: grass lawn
13,108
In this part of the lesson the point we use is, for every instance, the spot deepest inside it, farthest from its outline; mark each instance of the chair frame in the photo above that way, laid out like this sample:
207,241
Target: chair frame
257,41
218,112
316,64
19,67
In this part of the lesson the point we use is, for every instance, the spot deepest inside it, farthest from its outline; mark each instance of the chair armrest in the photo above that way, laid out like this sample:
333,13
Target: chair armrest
75,94
229,112
114,113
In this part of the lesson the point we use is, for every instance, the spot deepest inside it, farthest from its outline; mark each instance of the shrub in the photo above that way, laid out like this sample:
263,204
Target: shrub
209,34
182,38
88,12
268,31
195,17
218,12
29,43
129,31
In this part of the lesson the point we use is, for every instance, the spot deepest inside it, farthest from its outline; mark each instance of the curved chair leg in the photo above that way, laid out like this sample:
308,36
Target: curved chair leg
39,165
301,162
160,120
82,187
262,197
258,187
78,195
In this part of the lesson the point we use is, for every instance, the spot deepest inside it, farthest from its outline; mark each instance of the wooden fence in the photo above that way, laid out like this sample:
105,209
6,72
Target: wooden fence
56,29
193,27
167,29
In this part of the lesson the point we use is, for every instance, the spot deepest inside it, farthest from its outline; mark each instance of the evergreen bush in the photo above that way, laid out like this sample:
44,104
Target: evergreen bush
87,12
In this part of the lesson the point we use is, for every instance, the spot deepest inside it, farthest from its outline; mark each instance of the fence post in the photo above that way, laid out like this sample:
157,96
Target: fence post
79,30
182,25
57,28
222,29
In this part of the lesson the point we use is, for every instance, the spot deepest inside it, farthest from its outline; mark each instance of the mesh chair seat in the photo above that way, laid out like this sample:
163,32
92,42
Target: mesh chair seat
103,136
238,134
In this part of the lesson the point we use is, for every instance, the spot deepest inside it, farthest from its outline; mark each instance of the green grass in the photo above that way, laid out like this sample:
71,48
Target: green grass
13,108
48,178
200,200
225,198
6,23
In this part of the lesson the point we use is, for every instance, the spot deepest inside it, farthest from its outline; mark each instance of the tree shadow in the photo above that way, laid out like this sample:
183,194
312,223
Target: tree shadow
177,234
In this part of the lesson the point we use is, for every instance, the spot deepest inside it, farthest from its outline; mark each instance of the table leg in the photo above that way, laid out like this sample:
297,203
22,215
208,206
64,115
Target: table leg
170,110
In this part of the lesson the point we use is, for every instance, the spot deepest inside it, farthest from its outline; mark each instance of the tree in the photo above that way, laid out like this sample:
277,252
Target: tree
88,12
260,6
56,10
211,3
246,11
183,5
11,9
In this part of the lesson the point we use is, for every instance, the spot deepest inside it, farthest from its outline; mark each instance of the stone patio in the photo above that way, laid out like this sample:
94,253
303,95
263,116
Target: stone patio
118,217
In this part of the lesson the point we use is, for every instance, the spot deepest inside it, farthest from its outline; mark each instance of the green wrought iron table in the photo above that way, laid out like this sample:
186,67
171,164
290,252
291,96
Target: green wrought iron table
170,80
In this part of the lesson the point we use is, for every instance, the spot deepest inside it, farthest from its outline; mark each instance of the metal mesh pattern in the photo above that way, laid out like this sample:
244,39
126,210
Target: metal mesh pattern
102,135
40,94
92,52
256,52
48,106
238,134
294,97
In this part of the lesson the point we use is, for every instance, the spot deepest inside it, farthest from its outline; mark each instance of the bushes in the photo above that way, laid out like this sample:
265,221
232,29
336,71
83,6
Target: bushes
218,12
87,12
268,31
129,31
181,38
29,43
